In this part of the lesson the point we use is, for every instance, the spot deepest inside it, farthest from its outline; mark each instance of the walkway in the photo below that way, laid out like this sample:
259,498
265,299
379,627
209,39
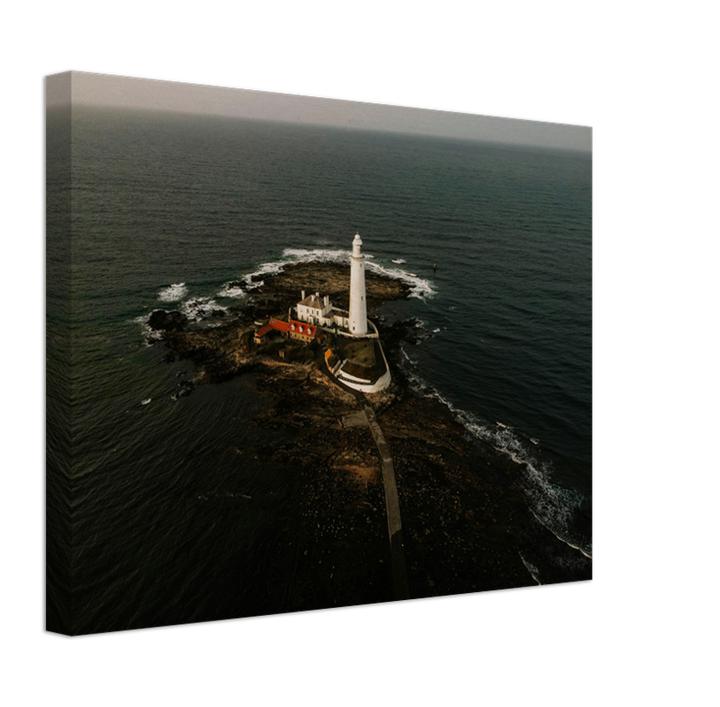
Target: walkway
392,502
392,507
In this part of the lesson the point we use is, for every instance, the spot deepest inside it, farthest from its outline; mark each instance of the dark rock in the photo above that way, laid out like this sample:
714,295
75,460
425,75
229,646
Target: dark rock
161,320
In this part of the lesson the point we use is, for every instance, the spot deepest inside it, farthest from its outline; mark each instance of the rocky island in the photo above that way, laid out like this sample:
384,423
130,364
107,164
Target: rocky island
466,522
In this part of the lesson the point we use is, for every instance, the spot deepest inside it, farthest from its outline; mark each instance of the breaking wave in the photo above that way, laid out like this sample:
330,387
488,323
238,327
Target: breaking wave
253,280
316,255
553,506
419,288
200,307
232,291
173,293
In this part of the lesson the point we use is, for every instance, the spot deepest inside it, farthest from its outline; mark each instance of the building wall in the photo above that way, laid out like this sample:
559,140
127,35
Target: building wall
311,316
314,309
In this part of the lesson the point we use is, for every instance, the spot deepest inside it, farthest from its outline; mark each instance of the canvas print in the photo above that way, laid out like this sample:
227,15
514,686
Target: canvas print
307,353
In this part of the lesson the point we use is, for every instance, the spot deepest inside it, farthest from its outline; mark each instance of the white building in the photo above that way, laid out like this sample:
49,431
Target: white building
320,311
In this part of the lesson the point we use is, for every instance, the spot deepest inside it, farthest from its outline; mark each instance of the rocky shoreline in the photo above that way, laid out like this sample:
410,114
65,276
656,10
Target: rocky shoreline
466,522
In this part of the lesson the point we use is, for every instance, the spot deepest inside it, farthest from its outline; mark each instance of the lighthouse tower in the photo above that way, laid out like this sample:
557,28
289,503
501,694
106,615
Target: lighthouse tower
358,308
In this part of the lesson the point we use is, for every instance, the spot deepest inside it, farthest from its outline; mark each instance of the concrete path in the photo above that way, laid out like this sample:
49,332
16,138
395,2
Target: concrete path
355,419
392,508
392,502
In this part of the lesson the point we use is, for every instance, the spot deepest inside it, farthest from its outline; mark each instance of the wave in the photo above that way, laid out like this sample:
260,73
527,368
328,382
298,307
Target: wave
194,309
173,293
151,335
290,256
553,506
399,261
200,307
316,255
419,288
253,280
232,291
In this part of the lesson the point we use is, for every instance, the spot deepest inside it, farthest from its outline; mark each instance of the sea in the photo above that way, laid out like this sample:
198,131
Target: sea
158,512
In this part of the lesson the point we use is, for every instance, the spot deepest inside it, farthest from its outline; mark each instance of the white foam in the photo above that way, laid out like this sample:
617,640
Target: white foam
412,361
552,505
399,261
173,293
530,567
151,335
146,401
232,292
500,438
252,280
200,307
416,383
316,255
419,288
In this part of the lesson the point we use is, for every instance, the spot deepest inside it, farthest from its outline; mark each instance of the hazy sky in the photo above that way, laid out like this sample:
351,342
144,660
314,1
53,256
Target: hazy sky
102,90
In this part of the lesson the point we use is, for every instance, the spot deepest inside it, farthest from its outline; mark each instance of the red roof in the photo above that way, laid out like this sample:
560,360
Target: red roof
302,328
293,326
277,324
263,330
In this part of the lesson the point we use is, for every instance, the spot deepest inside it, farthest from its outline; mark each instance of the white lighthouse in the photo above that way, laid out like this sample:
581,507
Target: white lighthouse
358,307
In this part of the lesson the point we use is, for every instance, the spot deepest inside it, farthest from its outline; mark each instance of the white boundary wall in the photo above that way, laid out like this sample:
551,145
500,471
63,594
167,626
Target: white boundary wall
380,384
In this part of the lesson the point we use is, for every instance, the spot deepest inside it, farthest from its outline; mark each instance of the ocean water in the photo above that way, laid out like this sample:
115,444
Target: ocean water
167,210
